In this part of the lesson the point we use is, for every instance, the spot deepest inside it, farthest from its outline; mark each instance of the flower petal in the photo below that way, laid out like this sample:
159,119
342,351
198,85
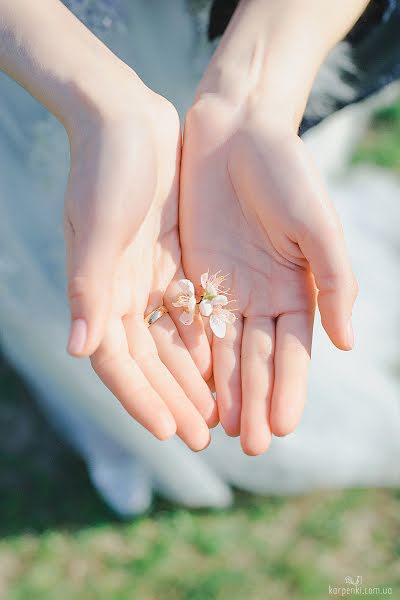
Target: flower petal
186,286
191,304
220,299
186,318
179,303
211,290
203,280
218,326
228,316
205,308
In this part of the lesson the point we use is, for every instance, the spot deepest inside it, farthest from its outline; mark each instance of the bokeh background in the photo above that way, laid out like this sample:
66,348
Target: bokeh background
59,541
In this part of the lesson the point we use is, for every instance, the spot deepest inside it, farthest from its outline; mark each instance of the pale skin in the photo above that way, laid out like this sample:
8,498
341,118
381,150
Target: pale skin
121,219
138,256
253,205
278,238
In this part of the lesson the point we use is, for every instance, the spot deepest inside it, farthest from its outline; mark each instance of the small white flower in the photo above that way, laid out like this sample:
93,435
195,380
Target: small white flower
206,306
186,301
212,304
208,286
220,318
204,280
211,285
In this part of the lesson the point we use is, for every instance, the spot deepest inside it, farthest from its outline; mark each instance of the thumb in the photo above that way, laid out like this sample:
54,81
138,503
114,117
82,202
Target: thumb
325,249
91,259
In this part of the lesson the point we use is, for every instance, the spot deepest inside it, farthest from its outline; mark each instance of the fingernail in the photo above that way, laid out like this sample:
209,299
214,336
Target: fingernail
77,338
350,334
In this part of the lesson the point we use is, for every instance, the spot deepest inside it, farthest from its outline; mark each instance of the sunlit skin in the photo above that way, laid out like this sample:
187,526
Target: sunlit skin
121,219
125,263
241,214
252,206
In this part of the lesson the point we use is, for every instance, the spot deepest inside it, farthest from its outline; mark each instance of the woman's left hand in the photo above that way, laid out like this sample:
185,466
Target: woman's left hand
253,206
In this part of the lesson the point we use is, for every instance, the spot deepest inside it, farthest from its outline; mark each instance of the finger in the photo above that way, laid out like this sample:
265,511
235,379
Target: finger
226,367
325,249
124,378
257,364
211,384
191,426
292,359
193,336
175,356
91,258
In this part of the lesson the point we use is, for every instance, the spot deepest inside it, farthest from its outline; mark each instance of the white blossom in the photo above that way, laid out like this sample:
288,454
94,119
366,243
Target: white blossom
220,318
206,306
186,301
212,304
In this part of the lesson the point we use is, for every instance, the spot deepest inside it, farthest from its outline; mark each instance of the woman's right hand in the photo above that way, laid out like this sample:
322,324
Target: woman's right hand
121,217
123,259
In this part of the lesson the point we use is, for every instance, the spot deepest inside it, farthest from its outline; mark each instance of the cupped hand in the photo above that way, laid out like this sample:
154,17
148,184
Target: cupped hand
123,261
253,206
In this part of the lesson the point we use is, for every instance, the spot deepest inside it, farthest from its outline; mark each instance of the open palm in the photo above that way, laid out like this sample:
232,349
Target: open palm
124,261
253,206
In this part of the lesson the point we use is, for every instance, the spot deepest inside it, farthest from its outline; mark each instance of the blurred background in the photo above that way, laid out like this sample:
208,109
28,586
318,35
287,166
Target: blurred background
59,541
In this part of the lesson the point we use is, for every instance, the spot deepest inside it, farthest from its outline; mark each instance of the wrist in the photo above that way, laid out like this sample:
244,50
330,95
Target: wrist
260,92
46,49
270,54
256,70
93,99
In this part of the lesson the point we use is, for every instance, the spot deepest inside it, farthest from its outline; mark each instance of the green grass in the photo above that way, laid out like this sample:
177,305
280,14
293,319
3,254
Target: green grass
381,143
58,541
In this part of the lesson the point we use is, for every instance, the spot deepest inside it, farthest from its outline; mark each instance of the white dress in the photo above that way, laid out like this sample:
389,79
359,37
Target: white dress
349,435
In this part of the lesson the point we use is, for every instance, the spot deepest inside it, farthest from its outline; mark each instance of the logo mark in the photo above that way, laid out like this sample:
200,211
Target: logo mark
354,580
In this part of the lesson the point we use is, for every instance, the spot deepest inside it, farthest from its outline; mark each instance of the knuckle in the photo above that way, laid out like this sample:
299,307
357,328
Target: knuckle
77,287
103,363
262,355
328,283
229,344
350,284
149,359
335,280
292,349
170,334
